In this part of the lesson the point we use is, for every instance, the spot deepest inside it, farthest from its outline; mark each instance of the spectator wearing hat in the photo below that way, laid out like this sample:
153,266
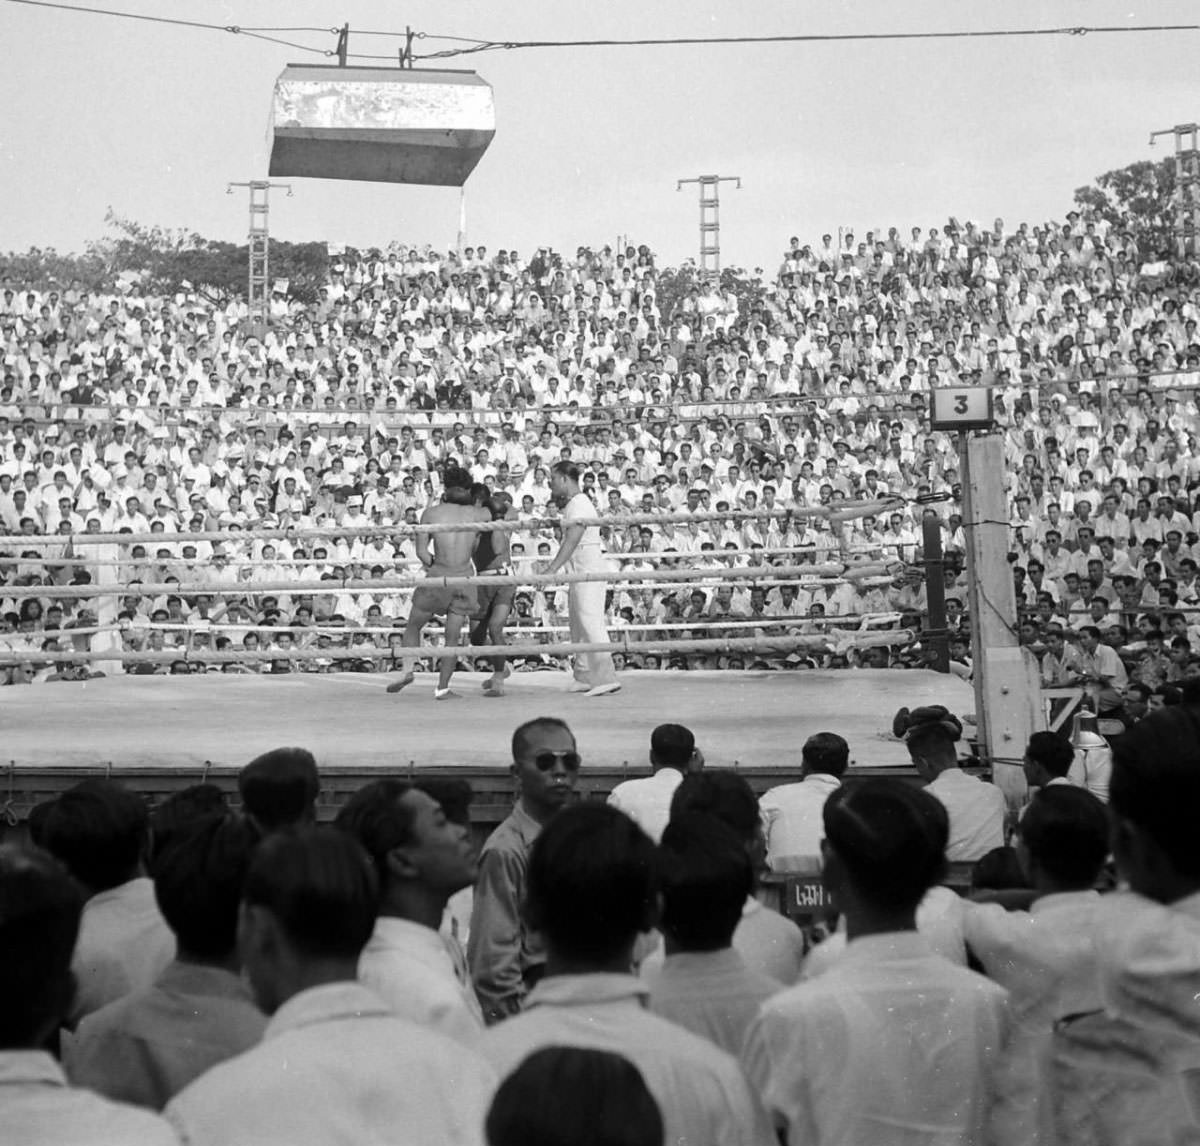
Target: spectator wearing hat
976,808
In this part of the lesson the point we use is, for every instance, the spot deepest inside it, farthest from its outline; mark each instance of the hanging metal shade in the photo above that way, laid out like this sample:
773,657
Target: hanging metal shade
383,125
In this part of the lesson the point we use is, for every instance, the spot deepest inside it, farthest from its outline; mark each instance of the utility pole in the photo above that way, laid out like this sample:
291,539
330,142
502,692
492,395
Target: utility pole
710,220
257,286
1187,184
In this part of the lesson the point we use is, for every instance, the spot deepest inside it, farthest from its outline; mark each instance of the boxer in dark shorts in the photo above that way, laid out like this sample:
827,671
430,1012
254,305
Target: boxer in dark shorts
492,556
444,554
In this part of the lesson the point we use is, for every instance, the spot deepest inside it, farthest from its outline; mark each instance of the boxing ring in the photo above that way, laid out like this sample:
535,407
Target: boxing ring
164,731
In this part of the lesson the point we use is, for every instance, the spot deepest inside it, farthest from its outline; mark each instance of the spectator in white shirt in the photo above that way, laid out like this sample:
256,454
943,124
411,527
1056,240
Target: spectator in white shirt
647,802
335,1065
149,1045
99,830
1127,1073
422,859
791,813
1044,957
893,1045
704,984
592,888
976,808
40,911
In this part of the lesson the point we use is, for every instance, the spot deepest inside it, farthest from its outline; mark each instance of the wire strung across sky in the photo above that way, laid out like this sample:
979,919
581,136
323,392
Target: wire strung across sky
472,46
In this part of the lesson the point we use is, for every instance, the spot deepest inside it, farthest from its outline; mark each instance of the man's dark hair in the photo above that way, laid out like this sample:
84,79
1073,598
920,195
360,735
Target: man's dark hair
40,908
320,886
99,829
523,732
891,838
706,877
721,793
455,477
567,469
1156,782
279,788
375,817
1066,831
577,1095
198,882
826,752
179,811
454,796
1053,752
592,883
672,745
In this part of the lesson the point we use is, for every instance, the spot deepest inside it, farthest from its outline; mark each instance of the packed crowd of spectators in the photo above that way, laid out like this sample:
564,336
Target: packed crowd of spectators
122,411
608,973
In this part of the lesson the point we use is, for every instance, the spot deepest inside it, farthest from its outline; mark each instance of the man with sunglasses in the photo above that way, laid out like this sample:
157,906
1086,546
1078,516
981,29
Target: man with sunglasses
507,958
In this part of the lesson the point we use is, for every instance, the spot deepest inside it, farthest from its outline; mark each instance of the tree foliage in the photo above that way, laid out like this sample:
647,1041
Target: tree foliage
675,283
167,262
1138,198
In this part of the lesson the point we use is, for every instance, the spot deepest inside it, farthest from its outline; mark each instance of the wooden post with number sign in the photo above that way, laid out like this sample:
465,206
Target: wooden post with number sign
1006,678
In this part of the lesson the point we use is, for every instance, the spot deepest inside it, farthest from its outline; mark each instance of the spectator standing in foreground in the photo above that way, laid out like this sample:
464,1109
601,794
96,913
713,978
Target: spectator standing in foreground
335,1065
422,859
768,942
1127,1073
147,1046
506,955
893,1045
703,983
39,921
1044,957
100,832
976,808
279,789
791,813
592,889
673,754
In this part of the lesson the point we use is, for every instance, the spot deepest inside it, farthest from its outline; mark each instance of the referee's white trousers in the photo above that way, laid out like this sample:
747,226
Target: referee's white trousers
585,606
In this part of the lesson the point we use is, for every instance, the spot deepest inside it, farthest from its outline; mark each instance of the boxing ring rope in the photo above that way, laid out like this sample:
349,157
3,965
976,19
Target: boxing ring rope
781,645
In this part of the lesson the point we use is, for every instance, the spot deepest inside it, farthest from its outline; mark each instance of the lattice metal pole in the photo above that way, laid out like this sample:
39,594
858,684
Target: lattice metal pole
710,220
258,292
1187,184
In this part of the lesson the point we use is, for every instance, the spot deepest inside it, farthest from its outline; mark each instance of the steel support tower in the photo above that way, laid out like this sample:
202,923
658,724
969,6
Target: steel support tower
710,220
1187,184
258,290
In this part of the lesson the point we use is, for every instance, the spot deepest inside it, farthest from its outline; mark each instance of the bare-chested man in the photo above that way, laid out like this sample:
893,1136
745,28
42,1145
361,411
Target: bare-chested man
444,555
493,557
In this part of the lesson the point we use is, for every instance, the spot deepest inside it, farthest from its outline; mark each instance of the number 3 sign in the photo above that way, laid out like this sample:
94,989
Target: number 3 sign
961,408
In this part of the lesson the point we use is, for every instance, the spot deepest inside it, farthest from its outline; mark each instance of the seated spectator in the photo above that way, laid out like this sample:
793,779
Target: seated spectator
146,1047
673,753
99,831
703,983
792,812
422,858
1047,760
976,808
769,942
893,1043
334,1063
40,909
592,889
279,789
1043,957
564,1095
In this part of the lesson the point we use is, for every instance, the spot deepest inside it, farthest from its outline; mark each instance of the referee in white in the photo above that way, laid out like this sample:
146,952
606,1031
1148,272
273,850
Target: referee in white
581,551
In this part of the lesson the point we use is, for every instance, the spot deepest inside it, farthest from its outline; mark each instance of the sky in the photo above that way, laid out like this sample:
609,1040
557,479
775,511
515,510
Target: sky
153,121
